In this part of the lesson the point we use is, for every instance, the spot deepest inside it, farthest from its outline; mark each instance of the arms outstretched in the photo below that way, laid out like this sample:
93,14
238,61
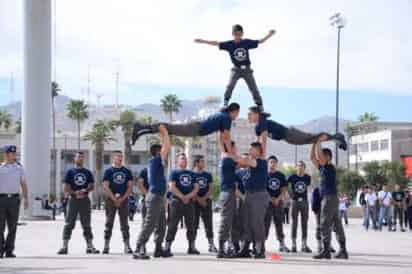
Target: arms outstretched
270,34
207,42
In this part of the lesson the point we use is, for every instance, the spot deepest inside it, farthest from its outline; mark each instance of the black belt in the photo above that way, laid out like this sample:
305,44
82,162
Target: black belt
7,195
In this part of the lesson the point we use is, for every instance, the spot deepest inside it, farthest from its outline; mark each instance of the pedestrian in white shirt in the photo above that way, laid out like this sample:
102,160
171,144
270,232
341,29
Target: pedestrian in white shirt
385,202
371,201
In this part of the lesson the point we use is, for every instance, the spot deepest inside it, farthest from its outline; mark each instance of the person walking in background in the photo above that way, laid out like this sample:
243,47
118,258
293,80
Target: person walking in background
343,207
398,197
363,204
385,201
118,185
371,201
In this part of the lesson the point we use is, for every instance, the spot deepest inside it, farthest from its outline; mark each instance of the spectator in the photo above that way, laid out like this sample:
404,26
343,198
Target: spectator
362,203
385,201
371,200
343,207
398,207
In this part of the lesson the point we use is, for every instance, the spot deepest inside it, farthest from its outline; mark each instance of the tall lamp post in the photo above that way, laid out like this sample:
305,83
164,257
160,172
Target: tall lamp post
337,21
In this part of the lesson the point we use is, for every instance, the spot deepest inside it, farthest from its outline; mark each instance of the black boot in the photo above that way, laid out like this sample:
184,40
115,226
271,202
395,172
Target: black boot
221,250
158,252
212,247
259,250
245,252
167,251
10,254
63,251
342,254
140,254
192,249
325,253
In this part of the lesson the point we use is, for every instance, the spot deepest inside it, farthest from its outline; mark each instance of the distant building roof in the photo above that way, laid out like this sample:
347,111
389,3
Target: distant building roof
370,127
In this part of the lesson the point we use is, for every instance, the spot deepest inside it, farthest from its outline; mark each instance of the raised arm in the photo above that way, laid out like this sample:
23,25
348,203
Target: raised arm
226,140
270,34
207,42
263,140
164,137
313,154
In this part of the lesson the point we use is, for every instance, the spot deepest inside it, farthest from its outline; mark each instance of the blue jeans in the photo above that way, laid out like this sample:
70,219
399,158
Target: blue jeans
385,214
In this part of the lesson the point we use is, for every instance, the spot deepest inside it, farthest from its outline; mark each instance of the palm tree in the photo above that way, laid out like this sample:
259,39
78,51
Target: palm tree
126,122
99,135
368,117
5,119
78,111
55,89
171,104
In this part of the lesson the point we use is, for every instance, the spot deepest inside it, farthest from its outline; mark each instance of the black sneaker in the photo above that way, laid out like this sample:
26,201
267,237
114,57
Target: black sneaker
193,251
306,249
106,250
63,251
167,253
212,248
92,250
10,255
325,254
332,250
284,249
340,138
128,250
342,254
294,249
403,230
141,256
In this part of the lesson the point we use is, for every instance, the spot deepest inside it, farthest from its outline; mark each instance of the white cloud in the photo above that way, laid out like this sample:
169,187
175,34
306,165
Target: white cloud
151,42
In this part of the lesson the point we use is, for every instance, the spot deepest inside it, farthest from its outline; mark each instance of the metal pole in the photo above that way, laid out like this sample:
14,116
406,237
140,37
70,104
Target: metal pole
337,96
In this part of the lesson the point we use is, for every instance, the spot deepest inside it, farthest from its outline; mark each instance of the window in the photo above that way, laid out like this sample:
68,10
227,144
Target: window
353,149
384,144
363,147
374,145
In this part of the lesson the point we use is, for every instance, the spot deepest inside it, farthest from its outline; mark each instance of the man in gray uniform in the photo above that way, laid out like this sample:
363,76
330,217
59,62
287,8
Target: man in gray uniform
155,218
322,159
78,183
184,189
12,180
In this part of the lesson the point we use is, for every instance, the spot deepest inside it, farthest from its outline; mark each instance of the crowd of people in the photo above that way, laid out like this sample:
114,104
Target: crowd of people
383,207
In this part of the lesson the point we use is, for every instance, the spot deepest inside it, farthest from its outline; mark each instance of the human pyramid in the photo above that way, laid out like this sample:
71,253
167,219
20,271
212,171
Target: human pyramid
252,190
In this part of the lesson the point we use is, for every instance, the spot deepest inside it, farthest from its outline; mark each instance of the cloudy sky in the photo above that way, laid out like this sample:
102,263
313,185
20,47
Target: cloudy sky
151,44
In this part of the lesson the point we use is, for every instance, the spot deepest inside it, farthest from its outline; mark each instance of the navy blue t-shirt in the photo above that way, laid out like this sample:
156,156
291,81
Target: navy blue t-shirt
242,176
275,130
184,180
118,179
316,200
216,122
228,174
204,179
144,176
258,178
78,178
328,180
398,196
276,181
156,176
239,52
299,186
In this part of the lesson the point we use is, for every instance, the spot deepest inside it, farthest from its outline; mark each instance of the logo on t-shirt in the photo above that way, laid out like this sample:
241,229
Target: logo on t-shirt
119,178
185,180
80,179
274,184
202,182
300,187
240,54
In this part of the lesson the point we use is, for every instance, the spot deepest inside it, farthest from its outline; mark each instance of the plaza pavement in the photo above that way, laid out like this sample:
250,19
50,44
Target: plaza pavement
38,241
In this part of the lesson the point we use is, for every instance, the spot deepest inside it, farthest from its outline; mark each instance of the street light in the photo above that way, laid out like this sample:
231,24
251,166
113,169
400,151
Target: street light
339,22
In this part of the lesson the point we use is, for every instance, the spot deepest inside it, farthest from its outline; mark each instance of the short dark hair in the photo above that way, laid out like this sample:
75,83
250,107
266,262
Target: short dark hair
257,145
117,151
273,157
180,154
237,27
79,152
302,163
327,152
231,107
258,110
155,149
197,159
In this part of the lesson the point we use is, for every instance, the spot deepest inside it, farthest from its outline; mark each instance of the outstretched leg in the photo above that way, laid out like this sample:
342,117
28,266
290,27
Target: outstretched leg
183,130
296,136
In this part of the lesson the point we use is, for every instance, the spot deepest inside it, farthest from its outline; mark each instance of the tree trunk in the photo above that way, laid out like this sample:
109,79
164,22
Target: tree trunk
78,134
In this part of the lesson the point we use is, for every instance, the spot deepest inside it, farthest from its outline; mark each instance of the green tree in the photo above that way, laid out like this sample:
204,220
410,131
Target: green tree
395,173
349,182
126,121
5,119
375,174
171,104
368,117
78,111
99,135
